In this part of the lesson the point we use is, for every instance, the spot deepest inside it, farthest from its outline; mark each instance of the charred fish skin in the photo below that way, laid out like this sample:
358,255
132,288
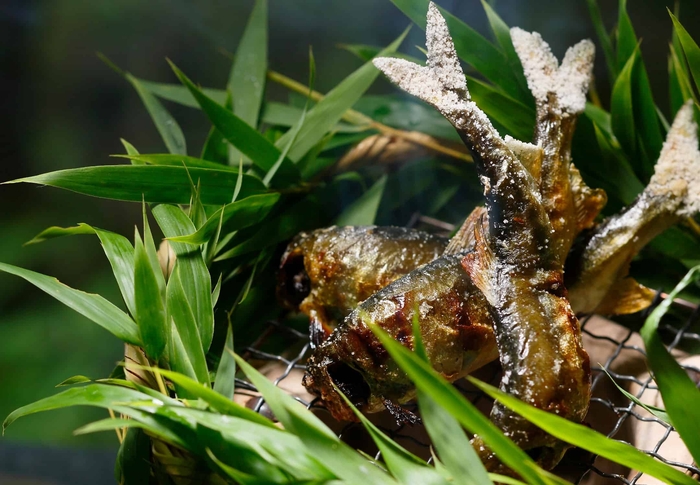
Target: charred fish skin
454,321
328,272
517,266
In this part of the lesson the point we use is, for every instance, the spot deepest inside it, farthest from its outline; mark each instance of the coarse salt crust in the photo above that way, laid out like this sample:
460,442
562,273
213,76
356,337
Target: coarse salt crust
568,82
677,173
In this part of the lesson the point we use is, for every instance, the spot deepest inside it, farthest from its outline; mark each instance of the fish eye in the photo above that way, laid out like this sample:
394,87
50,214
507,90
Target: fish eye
294,281
350,382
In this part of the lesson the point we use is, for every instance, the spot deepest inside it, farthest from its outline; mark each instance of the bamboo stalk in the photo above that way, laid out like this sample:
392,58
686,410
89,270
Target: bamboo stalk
357,118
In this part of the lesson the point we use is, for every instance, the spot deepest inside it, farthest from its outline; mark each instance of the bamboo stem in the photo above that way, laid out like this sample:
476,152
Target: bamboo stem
357,118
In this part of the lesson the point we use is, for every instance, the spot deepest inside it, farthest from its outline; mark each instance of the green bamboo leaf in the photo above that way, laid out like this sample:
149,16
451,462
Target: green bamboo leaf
117,248
245,138
680,88
260,478
678,391
117,398
225,379
363,211
603,38
90,305
179,94
588,439
74,380
456,452
133,464
250,441
646,119
192,362
399,112
327,112
237,215
600,117
615,174
303,215
168,185
167,126
472,48
510,116
403,465
170,160
150,309
322,443
622,108
194,274
215,148
428,381
626,38
653,410
247,79
130,149
367,52
690,48
501,32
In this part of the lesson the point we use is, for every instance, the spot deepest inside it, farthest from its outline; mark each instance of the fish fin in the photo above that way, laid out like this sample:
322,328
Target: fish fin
463,240
479,264
626,296
319,331
588,202
529,155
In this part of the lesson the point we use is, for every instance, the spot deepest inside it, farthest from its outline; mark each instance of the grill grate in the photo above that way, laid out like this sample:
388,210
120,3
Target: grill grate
615,350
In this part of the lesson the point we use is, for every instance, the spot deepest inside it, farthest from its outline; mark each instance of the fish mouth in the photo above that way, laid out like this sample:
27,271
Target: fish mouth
294,284
329,381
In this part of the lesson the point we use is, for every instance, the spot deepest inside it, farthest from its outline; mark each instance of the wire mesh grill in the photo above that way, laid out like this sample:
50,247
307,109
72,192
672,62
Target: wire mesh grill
615,350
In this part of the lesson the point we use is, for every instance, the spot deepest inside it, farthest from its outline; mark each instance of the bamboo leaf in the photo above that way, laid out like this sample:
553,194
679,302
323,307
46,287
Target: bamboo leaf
653,410
252,144
120,399
170,160
626,38
501,31
403,465
225,380
646,119
603,38
237,215
302,215
364,210
133,464
167,126
678,391
180,94
168,185
428,381
150,309
194,274
510,116
247,79
690,48
472,48
622,108
215,148
192,362
456,452
90,305
321,442
588,439
327,112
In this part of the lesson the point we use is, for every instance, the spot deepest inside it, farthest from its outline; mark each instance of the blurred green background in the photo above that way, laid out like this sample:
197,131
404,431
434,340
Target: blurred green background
62,107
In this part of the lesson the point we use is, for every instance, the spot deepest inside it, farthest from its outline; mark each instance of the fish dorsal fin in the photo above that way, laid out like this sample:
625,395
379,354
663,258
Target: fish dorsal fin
626,296
588,202
529,155
479,264
463,240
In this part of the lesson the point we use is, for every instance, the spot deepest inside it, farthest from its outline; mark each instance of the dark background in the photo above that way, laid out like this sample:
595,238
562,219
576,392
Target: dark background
61,107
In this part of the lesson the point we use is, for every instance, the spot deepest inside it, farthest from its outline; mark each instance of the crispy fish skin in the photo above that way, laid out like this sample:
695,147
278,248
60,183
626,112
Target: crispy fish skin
454,321
328,272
